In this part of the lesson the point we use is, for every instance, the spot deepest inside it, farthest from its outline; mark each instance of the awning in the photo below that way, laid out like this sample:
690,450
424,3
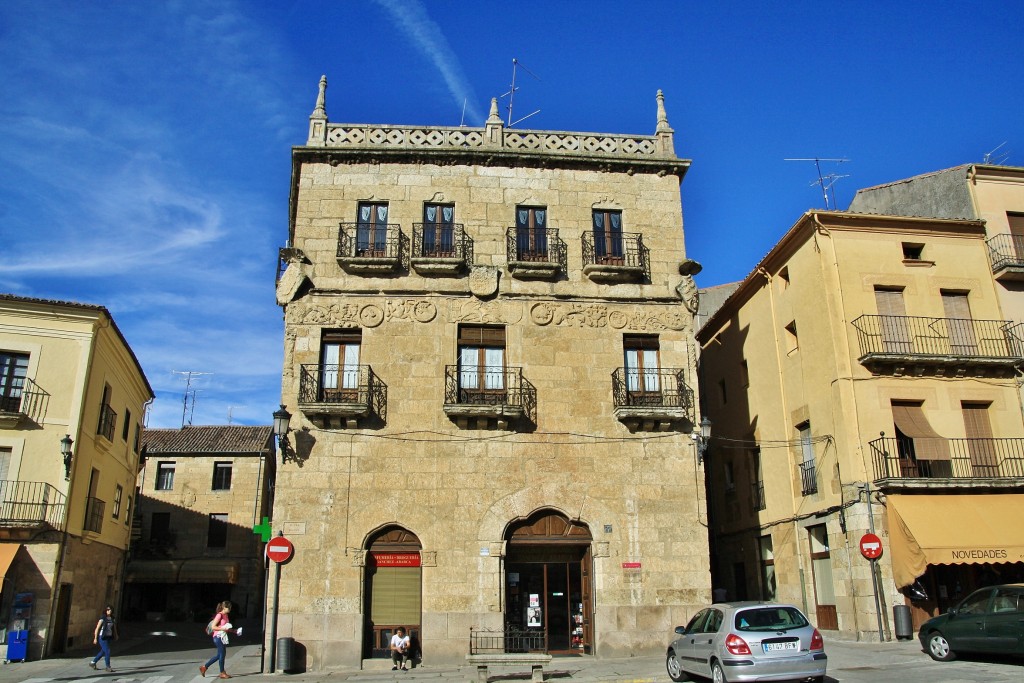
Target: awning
910,420
209,570
953,529
7,553
151,571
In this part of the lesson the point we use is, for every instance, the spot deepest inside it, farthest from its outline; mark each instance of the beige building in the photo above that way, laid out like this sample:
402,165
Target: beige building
72,399
866,358
202,489
490,372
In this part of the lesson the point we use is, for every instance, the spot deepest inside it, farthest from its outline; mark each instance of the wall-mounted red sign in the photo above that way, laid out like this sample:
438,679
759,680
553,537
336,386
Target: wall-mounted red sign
631,565
396,559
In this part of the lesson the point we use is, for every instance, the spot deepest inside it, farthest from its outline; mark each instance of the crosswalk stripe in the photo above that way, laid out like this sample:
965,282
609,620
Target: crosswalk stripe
94,679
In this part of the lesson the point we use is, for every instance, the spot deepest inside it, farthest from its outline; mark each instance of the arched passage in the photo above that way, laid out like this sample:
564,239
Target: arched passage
393,590
548,579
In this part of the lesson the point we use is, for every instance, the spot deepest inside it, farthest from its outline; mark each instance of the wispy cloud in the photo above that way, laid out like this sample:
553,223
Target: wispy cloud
411,17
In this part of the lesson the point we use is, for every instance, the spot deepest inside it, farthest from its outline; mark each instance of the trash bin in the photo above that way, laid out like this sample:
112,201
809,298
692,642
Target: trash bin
17,646
902,623
285,654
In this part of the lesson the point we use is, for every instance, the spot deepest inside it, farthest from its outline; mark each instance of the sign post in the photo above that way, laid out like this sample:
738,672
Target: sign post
870,545
263,531
280,550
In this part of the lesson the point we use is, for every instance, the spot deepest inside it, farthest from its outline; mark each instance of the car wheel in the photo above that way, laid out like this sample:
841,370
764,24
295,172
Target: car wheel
717,673
675,667
939,649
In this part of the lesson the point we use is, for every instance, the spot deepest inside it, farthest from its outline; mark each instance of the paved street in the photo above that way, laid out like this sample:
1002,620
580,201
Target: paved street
174,656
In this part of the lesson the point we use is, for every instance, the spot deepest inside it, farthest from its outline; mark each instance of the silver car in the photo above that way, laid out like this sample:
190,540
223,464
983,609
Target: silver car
747,641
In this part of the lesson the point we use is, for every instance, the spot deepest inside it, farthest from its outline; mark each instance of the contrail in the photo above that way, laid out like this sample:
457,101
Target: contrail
411,17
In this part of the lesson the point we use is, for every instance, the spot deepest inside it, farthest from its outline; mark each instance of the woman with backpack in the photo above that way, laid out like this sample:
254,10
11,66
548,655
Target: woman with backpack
106,630
218,628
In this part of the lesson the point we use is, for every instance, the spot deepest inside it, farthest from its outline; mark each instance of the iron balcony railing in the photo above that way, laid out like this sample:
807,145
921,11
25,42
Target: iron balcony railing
30,503
1006,251
808,478
363,240
20,395
664,387
902,336
897,458
509,639
440,240
492,385
757,500
343,384
617,249
107,423
533,245
94,510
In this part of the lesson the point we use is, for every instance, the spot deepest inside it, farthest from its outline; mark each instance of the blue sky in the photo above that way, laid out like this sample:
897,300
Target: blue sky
144,146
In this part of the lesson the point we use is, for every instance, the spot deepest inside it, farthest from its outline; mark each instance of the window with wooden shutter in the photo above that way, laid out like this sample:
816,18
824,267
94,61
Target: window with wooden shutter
481,363
339,365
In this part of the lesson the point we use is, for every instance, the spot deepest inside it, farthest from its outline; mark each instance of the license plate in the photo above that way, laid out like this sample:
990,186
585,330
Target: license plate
774,647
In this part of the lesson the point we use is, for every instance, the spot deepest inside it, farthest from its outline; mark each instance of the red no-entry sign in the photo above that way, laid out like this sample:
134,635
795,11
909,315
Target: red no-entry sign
280,549
870,546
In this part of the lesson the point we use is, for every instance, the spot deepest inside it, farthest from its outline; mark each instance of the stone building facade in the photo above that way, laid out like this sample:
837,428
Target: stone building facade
69,382
201,491
490,370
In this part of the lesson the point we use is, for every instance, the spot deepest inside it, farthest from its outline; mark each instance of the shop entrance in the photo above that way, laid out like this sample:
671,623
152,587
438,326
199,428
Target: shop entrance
548,581
392,594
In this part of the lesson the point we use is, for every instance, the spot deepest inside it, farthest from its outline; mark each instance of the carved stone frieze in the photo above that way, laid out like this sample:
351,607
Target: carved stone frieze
363,313
486,312
603,315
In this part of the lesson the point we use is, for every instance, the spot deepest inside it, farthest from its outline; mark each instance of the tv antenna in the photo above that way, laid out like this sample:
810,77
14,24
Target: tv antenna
827,181
512,91
189,392
996,159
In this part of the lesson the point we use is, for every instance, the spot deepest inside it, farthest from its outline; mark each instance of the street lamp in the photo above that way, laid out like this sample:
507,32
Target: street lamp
703,438
282,419
65,450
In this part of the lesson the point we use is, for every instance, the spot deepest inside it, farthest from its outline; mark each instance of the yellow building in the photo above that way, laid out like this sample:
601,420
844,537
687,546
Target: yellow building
72,399
490,370
865,359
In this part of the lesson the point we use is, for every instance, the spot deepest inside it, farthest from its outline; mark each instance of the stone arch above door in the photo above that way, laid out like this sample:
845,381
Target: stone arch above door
392,537
546,526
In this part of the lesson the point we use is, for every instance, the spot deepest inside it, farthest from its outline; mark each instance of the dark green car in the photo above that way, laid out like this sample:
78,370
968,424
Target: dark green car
989,620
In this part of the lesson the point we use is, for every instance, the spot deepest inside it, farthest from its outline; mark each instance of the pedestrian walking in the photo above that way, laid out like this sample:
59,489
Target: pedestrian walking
218,628
106,630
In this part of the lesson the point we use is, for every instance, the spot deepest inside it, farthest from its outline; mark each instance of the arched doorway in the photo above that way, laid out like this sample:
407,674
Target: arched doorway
392,592
548,580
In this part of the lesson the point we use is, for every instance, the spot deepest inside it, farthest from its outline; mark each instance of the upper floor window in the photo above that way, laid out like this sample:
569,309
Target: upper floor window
217,535
5,461
164,476
127,424
531,233
608,246
912,251
137,443
118,494
108,418
339,365
372,229
221,476
962,338
13,370
642,364
439,230
481,362
808,471
792,341
160,527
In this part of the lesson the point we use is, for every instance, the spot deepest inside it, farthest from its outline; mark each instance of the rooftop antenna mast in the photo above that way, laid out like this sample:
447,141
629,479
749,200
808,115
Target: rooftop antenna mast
825,181
512,91
188,374
996,159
